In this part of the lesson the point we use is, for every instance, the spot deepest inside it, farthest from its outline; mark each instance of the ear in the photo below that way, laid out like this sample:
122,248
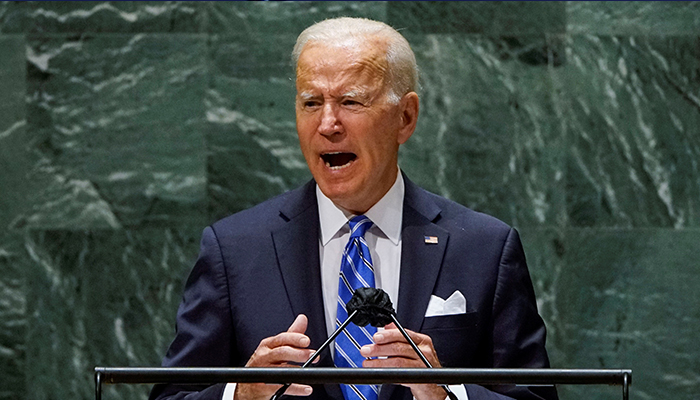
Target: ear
409,107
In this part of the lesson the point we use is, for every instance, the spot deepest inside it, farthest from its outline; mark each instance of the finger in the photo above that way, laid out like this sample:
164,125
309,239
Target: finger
286,354
390,335
293,339
278,357
392,362
283,348
298,390
299,325
394,349
264,390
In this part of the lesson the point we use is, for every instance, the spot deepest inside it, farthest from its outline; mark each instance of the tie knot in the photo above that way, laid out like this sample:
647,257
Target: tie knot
359,225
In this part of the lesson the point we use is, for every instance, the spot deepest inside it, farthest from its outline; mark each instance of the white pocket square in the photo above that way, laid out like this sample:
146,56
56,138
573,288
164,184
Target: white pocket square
455,304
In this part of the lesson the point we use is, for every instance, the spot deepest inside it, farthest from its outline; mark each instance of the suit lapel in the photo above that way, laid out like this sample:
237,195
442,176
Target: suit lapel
422,251
296,247
421,260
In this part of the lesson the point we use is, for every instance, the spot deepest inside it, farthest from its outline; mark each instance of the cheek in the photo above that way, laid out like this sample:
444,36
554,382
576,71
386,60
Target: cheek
305,131
382,142
306,149
306,122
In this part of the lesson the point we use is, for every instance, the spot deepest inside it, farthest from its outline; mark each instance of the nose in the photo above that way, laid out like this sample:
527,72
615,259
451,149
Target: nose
330,124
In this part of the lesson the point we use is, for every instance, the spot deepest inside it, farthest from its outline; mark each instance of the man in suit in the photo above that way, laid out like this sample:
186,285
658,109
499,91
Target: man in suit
265,289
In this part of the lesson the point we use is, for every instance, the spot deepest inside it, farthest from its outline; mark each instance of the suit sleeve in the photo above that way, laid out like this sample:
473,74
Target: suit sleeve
518,330
204,329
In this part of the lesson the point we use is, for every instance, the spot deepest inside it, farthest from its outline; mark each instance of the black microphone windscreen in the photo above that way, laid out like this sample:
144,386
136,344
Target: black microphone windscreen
373,307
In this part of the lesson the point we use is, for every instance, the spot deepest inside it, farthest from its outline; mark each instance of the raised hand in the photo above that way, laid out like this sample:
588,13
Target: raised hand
396,352
278,351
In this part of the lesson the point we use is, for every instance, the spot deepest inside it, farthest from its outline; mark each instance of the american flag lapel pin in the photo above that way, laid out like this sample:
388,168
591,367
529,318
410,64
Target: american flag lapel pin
431,239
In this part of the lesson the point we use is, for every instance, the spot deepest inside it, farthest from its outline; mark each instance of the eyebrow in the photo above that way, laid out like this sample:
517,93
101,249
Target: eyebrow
306,95
350,93
355,93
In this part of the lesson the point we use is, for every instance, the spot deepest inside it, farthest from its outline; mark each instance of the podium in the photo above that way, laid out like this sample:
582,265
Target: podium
449,376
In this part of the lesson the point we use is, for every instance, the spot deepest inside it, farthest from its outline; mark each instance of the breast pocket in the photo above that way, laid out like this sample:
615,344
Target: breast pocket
456,338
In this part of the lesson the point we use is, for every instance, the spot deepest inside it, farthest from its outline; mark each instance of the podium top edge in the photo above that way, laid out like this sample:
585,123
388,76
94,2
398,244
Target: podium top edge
206,375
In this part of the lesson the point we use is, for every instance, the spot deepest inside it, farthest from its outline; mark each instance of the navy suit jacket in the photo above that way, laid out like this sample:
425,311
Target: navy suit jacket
258,269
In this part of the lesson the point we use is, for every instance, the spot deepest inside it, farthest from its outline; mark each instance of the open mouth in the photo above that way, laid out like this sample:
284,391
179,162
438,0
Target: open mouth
338,160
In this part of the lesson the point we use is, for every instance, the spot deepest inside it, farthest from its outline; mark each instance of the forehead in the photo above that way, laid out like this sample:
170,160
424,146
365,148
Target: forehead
358,61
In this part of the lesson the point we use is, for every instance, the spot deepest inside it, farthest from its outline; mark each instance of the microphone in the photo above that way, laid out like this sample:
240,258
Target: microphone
368,306
352,315
374,307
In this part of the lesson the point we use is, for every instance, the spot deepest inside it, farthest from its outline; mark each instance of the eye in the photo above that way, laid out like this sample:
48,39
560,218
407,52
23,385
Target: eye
310,103
351,103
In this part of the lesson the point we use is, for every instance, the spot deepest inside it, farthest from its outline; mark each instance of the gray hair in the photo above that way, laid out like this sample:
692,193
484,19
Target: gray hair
402,72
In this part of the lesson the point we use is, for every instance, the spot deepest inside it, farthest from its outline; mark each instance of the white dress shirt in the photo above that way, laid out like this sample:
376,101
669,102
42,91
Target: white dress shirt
384,242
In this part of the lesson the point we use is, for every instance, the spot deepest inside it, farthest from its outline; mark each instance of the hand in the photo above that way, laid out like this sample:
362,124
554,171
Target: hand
278,351
390,343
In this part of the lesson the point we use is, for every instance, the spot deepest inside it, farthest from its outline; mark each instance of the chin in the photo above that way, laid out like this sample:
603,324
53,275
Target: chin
335,193
341,195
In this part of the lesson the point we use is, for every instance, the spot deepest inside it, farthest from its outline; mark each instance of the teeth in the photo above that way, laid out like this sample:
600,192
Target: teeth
328,164
332,160
337,167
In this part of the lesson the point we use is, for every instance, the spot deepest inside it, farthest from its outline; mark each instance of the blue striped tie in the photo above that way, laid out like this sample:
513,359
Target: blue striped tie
355,272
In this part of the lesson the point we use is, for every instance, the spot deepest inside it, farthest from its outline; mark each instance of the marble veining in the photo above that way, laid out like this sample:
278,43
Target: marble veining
127,127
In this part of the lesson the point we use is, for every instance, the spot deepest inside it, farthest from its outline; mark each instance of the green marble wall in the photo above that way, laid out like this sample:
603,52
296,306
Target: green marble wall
125,128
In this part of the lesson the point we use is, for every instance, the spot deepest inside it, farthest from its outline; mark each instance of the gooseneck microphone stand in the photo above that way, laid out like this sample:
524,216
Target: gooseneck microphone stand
368,306
325,344
449,392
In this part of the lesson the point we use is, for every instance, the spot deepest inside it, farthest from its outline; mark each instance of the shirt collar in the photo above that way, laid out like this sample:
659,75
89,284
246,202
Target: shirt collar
386,214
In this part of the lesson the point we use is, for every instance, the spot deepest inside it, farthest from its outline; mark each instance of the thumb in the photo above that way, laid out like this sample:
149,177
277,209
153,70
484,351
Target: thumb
299,325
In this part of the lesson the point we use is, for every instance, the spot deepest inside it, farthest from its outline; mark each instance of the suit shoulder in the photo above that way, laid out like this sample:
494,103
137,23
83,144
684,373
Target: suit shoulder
263,217
455,216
